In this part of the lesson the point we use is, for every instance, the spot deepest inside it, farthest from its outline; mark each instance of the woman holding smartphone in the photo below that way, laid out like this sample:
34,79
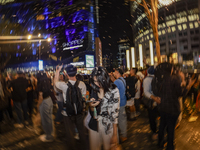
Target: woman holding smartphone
104,111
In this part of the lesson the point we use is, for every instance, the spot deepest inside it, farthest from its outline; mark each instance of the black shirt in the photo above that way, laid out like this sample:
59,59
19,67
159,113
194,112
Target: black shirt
93,124
170,92
30,93
45,87
19,87
130,83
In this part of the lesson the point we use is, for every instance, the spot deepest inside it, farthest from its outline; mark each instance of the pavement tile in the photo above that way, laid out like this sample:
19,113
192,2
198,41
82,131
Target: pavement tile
187,137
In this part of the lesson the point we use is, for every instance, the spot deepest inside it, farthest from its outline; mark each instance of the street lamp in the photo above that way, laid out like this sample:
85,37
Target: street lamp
39,35
29,37
49,39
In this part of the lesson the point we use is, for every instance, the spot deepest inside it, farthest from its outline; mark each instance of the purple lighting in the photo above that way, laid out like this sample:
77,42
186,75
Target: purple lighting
47,25
67,32
85,29
70,2
53,49
73,31
34,52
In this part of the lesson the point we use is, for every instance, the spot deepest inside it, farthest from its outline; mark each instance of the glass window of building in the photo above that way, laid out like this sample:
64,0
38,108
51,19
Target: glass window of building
173,29
193,11
171,23
191,32
163,25
184,26
163,31
181,14
180,34
196,31
193,17
196,24
181,20
185,33
159,32
147,37
169,30
151,35
179,27
191,25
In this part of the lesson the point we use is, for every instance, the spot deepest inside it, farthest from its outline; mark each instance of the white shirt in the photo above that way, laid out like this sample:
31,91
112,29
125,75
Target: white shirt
137,85
63,87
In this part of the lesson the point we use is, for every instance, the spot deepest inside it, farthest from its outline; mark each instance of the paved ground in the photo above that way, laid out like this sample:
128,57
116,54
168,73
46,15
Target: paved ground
187,137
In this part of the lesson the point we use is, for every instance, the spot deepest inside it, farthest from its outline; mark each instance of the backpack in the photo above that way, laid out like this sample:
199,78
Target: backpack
159,78
74,99
128,95
130,86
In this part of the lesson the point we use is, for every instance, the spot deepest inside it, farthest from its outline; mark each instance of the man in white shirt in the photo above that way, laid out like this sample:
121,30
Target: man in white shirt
72,120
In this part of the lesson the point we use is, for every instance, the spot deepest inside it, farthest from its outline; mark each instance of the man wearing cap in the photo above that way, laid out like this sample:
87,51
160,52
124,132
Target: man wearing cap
76,120
19,96
148,93
121,85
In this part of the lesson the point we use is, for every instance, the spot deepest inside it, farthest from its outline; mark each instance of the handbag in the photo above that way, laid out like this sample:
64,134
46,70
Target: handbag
127,94
147,102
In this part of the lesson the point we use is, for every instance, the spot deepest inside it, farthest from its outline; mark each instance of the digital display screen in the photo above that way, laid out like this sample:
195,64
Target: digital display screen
40,64
89,61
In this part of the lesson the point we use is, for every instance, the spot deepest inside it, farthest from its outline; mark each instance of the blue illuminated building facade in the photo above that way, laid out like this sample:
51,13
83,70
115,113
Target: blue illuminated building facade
69,23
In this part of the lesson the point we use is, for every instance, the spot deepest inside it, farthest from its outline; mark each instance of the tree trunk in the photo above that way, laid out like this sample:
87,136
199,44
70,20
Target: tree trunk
157,46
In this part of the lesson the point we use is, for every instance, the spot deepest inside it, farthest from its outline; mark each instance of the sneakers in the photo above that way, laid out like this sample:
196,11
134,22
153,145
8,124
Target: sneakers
18,125
43,138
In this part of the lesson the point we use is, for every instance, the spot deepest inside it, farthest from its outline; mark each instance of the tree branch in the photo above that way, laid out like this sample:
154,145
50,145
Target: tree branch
137,2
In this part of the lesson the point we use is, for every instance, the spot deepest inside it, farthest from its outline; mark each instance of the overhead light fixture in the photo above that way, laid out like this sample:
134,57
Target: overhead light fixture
166,2
49,39
29,37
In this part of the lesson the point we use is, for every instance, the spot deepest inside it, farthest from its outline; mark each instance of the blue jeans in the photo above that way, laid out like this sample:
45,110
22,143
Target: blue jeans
59,116
46,111
19,107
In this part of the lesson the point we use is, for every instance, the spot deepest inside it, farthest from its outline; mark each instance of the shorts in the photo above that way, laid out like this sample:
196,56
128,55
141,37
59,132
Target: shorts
130,102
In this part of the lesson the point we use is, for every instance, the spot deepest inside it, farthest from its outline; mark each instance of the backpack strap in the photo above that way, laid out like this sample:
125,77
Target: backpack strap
69,84
123,82
77,83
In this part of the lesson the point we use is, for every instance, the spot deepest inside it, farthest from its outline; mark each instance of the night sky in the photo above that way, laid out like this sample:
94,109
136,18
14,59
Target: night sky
115,23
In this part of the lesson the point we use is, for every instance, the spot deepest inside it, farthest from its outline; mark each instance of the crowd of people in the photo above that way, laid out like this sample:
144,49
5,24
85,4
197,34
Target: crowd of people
100,107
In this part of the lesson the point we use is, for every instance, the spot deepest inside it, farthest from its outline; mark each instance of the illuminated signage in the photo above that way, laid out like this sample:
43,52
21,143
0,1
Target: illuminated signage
3,2
73,44
40,64
77,63
76,59
89,61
